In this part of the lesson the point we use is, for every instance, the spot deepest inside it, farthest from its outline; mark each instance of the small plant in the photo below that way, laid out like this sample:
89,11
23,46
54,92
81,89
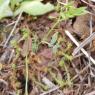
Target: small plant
60,81
64,59
53,43
72,11
63,65
15,45
66,12
35,43
25,33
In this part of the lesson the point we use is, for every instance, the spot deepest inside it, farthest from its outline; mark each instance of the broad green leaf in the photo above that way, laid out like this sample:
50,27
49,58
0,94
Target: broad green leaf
80,11
34,8
1,1
5,10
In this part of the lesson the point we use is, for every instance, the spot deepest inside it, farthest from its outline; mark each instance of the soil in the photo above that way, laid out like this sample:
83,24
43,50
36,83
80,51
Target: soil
74,75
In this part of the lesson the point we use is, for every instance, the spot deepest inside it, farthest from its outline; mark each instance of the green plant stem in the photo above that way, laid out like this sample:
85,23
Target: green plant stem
26,83
68,76
55,24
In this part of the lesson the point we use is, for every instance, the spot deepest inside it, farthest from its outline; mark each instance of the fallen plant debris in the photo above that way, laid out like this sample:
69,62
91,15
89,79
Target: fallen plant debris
47,47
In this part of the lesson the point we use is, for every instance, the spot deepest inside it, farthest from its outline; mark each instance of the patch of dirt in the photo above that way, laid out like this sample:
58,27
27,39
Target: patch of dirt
73,75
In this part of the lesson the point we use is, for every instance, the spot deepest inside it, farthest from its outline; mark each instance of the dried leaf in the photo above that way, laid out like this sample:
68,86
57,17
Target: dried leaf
47,53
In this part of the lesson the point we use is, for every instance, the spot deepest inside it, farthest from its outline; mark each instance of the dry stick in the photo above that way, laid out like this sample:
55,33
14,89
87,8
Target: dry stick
78,55
11,55
77,71
77,44
51,90
88,3
61,2
85,42
93,0
10,24
91,93
3,81
90,22
16,23
46,81
84,69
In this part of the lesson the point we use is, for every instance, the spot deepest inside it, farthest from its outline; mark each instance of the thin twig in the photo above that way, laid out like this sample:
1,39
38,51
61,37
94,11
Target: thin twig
77,44
52,28
11,33
47,82
51,85
51,90
84,69
90,22
3,81
77,71
61,2
88,3
93,0
26,83
11,55
85,42
91,93
10,24
78,55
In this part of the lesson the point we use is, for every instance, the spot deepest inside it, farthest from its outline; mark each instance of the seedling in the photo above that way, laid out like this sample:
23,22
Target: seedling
62,64
25,33
66,12
54,43
15,45
72,11
35,43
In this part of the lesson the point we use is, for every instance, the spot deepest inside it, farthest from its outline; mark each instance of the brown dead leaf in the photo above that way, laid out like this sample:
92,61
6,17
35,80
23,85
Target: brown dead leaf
47,53
39,63
82,26
53,15
33,58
